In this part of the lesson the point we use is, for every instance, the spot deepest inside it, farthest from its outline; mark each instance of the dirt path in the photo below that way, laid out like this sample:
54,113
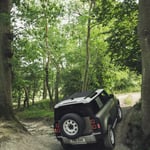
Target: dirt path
42,137
122,127
120,130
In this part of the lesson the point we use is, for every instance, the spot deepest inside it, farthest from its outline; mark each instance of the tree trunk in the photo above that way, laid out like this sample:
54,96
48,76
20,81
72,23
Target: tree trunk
47,64
87,61
34,92
44,89
6,110
26,99
144,33
5,56
57,85
19,99
47,82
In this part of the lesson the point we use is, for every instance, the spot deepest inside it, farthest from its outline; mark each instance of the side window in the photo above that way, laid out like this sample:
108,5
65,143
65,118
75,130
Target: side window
104,97
99,102
94,106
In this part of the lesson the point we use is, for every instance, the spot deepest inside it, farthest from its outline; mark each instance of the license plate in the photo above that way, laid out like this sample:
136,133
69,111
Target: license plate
78,141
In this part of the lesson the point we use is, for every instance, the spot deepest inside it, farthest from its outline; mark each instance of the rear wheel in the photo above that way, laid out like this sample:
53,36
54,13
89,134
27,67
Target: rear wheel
109,140
71,125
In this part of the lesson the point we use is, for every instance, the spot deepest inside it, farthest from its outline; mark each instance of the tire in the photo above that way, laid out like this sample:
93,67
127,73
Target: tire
119,114
71,125
109,140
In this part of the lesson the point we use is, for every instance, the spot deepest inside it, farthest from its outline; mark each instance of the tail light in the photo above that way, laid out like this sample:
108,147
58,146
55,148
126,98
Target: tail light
95,124
56,128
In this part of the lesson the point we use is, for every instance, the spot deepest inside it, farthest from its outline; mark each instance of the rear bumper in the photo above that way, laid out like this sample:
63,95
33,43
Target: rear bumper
88,139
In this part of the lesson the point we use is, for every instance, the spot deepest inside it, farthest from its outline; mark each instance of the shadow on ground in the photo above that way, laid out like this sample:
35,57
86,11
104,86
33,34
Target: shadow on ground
82,147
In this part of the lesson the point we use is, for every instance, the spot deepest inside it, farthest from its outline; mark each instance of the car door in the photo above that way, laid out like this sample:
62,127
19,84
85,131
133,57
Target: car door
106,99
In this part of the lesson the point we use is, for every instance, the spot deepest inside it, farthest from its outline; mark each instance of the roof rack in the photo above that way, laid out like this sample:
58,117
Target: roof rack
91,94
79,94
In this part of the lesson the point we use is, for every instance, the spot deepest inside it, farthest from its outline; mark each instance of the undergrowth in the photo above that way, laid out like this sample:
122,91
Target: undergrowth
135,139
39,110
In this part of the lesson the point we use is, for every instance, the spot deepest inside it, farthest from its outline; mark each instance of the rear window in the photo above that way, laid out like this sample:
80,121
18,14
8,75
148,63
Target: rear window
99,102
94,106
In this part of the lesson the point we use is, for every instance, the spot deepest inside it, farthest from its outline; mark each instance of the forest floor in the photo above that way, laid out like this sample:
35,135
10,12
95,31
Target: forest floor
41,135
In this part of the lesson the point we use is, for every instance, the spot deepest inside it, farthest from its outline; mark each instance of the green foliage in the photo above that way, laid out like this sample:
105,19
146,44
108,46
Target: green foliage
128,100
17,2
38,111
126,81
104,11
123,40
55,32
72,82
34,43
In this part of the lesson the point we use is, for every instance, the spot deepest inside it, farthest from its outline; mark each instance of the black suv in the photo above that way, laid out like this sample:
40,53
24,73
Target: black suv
86,118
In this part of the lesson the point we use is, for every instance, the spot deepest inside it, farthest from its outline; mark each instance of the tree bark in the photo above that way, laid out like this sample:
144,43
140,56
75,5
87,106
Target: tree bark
5,57
44,88
87,61
26,99
34,92
144,36
47,81
19,99
47,64
57,85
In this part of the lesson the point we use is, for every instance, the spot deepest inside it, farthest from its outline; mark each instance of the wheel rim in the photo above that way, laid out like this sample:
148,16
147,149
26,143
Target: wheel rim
70,127
112,137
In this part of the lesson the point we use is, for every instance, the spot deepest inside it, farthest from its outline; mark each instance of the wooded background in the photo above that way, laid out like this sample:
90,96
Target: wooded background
61,47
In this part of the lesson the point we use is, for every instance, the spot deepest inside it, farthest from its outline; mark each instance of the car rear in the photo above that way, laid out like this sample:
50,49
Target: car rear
76,124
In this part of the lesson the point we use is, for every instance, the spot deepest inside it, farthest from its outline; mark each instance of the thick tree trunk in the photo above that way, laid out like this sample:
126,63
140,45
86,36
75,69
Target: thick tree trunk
144,33
6,111
5,56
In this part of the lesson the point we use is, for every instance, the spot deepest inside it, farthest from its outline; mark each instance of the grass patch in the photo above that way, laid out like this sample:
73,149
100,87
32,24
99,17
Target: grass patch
128,100
37,111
